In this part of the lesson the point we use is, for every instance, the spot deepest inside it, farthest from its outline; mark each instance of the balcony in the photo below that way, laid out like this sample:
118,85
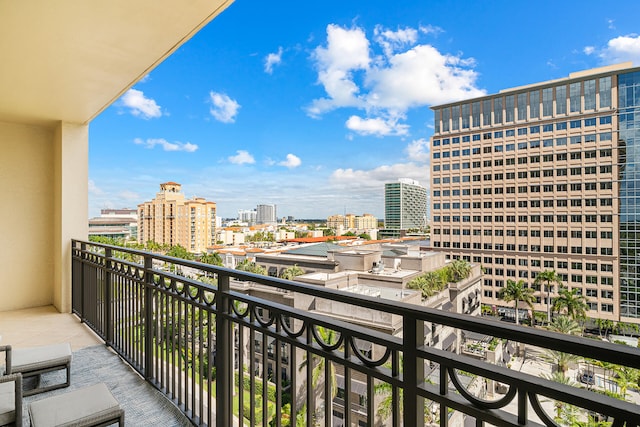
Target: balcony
178,332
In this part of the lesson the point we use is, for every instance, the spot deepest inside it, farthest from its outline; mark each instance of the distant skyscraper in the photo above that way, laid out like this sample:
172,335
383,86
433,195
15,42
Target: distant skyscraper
170,219
266,214
545,177
248,216
405,205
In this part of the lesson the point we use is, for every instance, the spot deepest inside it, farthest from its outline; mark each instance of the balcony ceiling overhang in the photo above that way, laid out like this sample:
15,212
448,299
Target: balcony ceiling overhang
68,60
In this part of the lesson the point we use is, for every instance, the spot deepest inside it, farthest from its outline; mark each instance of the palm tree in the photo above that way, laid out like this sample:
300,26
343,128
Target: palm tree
604,325
625,377
569,300
561,378
385,407
565,325
560,359
251,267
429,283
292,272
548,277
329,337
211,258
459,269
517,291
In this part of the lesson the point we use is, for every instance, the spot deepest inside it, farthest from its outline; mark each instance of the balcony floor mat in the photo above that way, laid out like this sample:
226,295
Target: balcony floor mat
143,404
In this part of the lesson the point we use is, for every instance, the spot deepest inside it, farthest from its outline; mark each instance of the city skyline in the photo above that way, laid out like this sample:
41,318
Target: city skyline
318,115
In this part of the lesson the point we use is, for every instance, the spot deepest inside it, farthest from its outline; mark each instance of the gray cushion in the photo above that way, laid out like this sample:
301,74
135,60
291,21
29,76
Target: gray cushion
85,406
34,358
7,403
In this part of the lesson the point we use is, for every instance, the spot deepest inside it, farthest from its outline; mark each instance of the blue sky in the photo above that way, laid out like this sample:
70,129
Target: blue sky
313,106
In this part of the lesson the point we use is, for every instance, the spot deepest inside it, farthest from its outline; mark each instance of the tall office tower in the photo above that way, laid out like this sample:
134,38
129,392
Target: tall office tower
170,219
545,177
405,205
266,214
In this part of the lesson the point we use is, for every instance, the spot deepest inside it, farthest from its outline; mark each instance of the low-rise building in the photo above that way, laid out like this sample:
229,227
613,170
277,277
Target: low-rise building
115,223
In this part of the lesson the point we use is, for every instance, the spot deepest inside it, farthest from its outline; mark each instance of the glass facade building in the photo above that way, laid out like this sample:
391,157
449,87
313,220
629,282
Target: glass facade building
545,177
629,158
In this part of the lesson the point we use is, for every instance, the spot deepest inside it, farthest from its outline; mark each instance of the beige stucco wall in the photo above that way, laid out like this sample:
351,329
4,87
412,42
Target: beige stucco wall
44,173
26,225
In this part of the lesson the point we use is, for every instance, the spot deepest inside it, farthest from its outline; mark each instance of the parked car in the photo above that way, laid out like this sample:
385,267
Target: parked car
587,378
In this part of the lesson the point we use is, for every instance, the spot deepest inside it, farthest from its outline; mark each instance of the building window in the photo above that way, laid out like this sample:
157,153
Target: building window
605,92
590,95
561,100
574,97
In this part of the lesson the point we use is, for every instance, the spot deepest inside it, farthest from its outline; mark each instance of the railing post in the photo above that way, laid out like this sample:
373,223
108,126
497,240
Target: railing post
148,317
108,315
413,375
83,248
224,347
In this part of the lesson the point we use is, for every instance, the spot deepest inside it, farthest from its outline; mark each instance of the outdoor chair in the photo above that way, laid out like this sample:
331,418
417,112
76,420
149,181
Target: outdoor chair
35,361
11,400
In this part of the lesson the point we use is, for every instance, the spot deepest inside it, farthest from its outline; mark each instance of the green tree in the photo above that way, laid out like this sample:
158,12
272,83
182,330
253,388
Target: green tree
459,269
517,291
211,258
349,234
330,337
604,325
565,325
292,272
364,236
561,378
548,277
385,407
178,251
560,359
568,300
328,232
430,283
625,377
251,267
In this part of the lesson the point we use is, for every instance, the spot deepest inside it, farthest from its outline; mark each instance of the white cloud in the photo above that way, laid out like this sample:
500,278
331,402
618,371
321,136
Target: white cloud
94,189
129,195
421,76
406,75
622,49
610,24
271,60
242,157
140,105
223,108
376,126
166,145
392,41
431,29
418,150
377,177
588,50
291,162
346,51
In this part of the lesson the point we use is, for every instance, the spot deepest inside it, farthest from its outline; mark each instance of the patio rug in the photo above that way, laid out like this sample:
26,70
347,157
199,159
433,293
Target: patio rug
143,405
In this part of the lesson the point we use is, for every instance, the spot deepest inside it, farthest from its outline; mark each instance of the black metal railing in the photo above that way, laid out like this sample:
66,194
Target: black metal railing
198,334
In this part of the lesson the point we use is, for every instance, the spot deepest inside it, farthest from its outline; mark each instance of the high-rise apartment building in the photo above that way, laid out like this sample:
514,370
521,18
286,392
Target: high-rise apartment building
545,177
266,214
170,219
405,205
248,216
351,221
